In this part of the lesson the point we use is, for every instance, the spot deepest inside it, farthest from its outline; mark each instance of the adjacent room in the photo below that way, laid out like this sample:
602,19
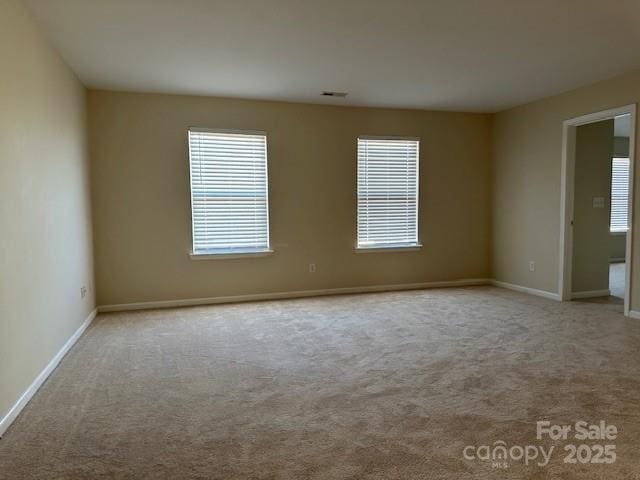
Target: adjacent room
281,239
600,211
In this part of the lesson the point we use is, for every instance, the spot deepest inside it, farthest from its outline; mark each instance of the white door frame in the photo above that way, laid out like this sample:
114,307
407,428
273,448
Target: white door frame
567,192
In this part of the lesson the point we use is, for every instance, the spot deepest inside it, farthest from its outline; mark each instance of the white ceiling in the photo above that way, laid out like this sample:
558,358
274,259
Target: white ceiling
473,55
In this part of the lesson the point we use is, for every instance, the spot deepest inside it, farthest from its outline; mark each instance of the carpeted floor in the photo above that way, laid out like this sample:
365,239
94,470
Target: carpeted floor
377,386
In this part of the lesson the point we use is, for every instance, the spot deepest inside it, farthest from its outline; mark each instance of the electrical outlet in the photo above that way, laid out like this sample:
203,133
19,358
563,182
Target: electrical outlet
532,266
312,268
83,292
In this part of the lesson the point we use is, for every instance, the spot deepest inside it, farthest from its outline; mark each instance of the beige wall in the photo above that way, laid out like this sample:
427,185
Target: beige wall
621,146
591,237
46,246
617,247
526,181
140,188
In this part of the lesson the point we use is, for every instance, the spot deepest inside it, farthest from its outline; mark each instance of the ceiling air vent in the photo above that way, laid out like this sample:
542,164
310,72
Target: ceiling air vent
334,94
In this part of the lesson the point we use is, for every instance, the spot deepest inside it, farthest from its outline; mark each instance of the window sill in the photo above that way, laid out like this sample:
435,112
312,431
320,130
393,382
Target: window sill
229,255
393,248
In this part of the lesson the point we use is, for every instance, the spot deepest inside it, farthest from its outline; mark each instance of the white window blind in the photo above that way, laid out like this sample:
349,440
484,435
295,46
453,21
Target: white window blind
387,192
619,194
229,194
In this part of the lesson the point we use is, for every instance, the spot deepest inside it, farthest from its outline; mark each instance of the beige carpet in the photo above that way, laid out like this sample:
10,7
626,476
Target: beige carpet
378,386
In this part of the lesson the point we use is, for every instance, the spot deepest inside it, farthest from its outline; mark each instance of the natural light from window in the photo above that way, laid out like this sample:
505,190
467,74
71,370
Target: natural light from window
619,195
387,192
229,194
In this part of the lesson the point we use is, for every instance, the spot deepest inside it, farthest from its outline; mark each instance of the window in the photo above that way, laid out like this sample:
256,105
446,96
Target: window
619,194
387,192
229,194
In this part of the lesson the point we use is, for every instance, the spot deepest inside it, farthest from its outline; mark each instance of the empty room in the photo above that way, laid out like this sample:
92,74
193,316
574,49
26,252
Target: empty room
295,239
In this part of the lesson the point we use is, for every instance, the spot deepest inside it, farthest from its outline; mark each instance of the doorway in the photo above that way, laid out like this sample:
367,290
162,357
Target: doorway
597,175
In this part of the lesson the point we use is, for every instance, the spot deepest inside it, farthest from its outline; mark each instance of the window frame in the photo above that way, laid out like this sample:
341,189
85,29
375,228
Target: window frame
391,247
230,253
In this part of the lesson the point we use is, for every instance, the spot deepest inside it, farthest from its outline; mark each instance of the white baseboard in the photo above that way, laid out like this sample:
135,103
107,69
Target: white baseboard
591,294
530,291
14,411
635,314
293,294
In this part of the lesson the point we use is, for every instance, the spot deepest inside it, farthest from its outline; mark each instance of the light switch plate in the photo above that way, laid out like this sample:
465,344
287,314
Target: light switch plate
598,202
